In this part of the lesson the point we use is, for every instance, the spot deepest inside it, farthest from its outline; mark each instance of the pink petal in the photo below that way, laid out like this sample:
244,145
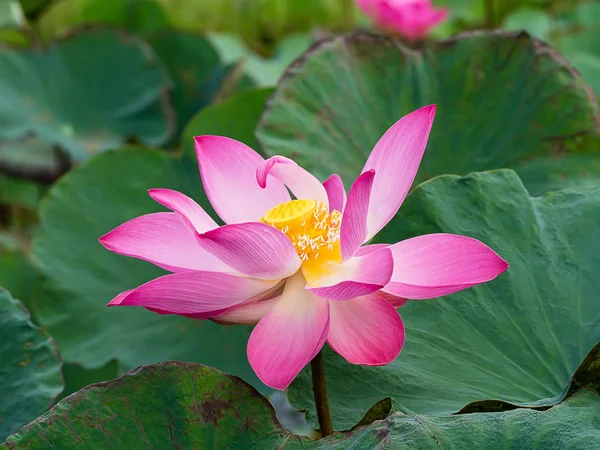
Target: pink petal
119,298
228,171
289,336
336,194
247,313
366,249
396,302
366,330
440,264
162,239
354,278
302,183
193,292
191,211
197,316
346,290
254,249
354,221
395,159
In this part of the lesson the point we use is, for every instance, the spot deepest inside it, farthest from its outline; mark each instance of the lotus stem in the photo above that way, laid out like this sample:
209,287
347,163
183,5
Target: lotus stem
320,391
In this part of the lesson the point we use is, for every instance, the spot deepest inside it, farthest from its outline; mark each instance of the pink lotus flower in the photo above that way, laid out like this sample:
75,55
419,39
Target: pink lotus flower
410,18
299,268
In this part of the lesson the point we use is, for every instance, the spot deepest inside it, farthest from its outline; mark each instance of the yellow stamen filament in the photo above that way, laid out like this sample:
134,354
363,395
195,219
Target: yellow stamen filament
312,229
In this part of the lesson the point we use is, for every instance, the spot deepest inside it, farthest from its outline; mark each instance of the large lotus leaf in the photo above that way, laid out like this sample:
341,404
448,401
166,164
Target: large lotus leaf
519,338
93,90
199,75
574,424
168,405
30,375
177,405
83,276
501,98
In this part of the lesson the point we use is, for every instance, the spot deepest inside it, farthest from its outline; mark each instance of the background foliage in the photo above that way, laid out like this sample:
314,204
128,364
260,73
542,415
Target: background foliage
99,101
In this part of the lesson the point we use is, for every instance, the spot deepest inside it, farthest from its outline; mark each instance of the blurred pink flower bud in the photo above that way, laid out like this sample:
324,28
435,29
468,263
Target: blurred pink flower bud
412,19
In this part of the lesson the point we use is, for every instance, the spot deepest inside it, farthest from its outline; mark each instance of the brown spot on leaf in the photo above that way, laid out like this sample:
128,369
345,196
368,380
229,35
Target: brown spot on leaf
213,410
24,362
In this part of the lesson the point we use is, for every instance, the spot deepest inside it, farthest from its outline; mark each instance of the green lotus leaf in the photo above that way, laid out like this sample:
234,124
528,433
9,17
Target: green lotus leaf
179,405
30,376
167,405
501,98
517,339
93,90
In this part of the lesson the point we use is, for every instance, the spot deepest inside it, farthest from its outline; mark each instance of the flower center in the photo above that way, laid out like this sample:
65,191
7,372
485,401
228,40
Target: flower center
312,229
